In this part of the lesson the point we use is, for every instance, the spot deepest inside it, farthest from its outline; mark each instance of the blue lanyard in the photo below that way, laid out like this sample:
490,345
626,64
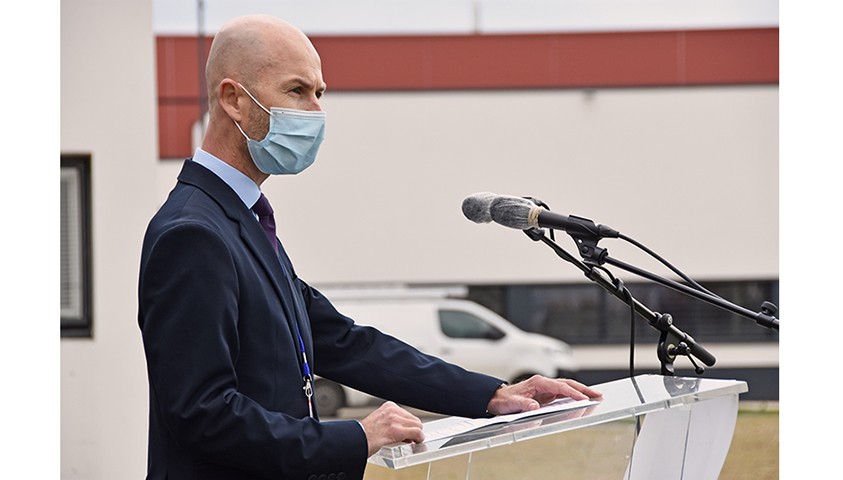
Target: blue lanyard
308,378
306,374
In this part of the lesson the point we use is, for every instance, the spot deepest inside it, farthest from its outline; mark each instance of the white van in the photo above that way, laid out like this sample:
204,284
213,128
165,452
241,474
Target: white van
458,331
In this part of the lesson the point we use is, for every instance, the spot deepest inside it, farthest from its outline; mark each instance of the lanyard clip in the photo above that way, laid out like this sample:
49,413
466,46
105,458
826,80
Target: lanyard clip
308,392
308,387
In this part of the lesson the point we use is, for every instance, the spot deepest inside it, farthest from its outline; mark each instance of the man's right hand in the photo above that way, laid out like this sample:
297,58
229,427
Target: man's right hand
391,424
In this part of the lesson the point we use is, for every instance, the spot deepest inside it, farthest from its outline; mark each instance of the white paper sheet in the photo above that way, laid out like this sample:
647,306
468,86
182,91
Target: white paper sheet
451,426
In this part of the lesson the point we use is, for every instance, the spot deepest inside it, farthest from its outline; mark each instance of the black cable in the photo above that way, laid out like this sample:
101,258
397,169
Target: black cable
665,263
620,287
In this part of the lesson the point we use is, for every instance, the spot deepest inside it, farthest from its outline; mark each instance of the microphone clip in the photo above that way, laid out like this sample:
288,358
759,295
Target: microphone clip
535,234
591,253
586,234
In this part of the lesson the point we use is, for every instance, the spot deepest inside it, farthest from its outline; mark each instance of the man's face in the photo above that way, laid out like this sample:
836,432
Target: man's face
292,80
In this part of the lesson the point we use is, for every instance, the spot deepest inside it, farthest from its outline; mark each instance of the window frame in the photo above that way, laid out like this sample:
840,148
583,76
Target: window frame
80,323
443,314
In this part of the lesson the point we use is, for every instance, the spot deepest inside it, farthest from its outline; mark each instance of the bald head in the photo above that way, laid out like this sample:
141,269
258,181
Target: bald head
247,48
276,64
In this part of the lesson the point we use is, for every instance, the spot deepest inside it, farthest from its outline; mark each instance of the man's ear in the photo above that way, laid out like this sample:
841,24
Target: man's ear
229,97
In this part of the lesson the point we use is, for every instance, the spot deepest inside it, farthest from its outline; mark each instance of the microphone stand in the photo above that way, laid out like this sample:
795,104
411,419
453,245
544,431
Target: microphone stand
672,341
595,255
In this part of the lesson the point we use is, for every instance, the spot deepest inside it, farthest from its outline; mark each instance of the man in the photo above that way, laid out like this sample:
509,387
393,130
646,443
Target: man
233,337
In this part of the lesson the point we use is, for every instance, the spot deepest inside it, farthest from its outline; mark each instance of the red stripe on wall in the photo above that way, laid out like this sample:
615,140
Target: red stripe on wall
582,60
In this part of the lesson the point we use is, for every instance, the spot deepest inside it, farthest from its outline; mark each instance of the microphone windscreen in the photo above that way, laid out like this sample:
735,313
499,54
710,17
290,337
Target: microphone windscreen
512,212
476,207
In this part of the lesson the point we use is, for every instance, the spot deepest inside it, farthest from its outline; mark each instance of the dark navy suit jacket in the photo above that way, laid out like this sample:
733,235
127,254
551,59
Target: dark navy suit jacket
218,317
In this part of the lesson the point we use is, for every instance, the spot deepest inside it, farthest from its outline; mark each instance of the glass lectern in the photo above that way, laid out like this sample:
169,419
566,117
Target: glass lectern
671,428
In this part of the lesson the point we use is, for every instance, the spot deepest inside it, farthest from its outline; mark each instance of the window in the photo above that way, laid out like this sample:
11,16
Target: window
586,314
75,273
457,324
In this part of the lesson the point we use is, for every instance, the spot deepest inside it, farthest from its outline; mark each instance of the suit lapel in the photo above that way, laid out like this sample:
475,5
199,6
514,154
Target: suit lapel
253,237
298,299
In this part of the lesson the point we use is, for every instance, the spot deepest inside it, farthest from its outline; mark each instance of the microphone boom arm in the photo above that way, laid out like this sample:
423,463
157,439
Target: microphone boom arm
766,318
661,322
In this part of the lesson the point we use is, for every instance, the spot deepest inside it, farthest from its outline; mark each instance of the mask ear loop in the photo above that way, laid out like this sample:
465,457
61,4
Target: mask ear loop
254,100
241,129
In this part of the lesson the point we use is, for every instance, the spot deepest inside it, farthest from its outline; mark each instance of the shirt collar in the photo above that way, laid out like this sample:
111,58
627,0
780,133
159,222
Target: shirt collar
242,185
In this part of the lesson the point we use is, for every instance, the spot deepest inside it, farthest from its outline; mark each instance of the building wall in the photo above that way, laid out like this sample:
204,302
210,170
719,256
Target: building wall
691,172
108,111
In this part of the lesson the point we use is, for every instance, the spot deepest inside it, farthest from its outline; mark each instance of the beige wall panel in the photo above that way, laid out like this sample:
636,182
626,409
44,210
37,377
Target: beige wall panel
108,110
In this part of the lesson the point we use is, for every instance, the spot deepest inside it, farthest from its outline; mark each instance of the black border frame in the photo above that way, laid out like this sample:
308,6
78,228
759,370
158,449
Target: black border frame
82,326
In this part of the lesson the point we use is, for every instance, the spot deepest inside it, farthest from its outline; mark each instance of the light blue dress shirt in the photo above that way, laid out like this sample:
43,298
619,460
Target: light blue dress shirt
242,185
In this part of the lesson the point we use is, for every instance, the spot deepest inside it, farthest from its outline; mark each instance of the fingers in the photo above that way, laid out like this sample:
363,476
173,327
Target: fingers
536,391
590,392
521,397
549,389
577,390
391,424
561,387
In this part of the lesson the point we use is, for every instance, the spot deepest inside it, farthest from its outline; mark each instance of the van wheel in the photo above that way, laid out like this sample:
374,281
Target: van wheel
330,397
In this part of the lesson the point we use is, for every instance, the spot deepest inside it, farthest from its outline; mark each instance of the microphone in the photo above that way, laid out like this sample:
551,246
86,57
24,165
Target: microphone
523,215
476,207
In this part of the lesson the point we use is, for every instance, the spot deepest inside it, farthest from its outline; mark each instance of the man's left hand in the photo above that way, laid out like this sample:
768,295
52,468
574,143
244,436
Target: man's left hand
536,391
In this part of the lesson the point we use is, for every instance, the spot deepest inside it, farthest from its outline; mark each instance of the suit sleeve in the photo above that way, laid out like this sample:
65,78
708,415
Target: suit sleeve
381,365
189,314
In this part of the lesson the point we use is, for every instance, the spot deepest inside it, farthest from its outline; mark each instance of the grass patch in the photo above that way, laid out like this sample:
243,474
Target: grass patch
598,452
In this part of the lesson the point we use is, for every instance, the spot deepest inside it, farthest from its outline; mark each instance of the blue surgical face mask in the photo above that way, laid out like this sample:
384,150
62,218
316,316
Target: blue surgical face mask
291,143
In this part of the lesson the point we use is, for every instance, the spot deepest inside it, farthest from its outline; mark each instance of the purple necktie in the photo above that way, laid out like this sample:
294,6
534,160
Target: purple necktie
264,211
265,216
